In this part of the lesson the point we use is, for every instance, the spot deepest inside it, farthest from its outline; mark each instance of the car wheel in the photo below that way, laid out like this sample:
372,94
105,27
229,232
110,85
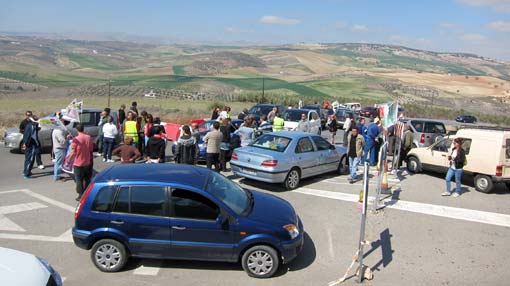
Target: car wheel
413,165
343,166
109,255
292,180
260,261
483,183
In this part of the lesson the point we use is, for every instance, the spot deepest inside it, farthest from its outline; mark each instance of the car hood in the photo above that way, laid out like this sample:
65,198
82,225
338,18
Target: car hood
269,209
20,268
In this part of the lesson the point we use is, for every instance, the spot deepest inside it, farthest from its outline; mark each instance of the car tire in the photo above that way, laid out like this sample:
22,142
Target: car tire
413,165
260,261
292,179
109,255
483,183
342,166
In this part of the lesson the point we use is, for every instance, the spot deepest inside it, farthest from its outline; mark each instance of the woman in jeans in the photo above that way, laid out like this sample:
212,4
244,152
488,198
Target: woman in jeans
457,159
109,133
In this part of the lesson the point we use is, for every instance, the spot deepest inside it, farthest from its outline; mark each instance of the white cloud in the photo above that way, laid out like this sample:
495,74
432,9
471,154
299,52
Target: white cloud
340,25
474,38
500,26
275,20
359,28
501,6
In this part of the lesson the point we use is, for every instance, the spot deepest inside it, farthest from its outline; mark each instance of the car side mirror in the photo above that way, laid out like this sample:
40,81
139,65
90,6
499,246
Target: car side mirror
332,147
222,220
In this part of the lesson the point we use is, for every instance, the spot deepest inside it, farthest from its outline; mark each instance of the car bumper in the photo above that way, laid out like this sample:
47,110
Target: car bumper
81,238
291,249
500,179
258,175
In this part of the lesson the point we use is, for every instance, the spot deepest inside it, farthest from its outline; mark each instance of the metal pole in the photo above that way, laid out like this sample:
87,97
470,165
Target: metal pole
381,163
363,222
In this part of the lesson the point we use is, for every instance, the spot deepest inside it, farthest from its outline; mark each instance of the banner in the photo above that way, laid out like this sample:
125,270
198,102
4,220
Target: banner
388,113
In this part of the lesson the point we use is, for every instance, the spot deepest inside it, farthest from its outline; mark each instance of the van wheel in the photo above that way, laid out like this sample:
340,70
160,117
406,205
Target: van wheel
260,261
109,255
413,165
292,180
483,183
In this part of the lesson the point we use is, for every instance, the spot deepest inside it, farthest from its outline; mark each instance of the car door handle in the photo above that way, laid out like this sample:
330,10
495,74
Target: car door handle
179,227
444,155
117,222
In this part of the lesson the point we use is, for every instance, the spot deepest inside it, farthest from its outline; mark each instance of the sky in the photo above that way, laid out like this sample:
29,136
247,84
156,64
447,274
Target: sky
475,26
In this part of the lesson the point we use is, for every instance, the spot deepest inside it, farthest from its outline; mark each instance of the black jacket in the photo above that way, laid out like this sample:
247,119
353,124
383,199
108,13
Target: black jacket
185,151
156,149
460,159
28,140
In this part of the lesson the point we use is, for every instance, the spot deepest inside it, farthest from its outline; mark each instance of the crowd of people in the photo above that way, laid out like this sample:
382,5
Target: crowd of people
144,138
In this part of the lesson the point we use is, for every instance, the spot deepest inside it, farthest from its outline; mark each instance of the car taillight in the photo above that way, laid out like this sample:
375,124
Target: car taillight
234,157
422,139
269,163
499,171
79,207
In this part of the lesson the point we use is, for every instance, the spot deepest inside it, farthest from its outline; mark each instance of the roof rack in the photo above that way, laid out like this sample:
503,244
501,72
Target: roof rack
496,128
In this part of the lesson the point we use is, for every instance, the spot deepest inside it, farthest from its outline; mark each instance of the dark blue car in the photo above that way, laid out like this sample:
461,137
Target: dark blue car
172,211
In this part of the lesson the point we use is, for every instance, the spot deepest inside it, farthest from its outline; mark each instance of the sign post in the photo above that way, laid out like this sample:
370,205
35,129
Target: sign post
363,221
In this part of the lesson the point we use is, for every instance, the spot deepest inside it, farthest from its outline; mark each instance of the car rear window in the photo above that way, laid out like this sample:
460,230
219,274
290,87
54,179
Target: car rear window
104,199
292,115
272,142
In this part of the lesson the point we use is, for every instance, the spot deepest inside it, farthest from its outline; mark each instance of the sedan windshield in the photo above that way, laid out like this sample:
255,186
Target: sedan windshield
272,142
229,193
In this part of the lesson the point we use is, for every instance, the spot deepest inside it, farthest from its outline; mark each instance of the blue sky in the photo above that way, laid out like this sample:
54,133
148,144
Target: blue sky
478,26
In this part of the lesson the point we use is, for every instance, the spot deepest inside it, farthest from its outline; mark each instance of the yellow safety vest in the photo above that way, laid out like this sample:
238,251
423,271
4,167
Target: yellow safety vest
278,124
131,131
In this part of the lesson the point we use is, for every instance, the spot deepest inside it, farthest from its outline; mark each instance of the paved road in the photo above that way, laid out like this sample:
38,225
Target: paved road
421,238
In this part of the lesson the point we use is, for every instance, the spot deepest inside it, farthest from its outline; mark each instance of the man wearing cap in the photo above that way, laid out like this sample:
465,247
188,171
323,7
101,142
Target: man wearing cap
373,132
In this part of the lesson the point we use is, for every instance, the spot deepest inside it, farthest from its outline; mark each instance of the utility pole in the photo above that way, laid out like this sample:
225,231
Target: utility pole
109,88
263,89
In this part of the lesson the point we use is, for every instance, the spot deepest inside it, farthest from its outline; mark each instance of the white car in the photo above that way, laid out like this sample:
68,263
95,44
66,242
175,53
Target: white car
21,268
292,117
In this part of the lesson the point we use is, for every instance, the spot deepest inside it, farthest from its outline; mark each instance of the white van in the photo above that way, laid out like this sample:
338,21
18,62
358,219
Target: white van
487,154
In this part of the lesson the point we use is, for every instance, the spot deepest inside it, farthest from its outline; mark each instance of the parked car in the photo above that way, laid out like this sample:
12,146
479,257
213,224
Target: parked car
487,154
466,119
369,111
21,268
89,117
263,109
324,113
341,114
354,106
203,128
293,116
173,211
287,157
426,131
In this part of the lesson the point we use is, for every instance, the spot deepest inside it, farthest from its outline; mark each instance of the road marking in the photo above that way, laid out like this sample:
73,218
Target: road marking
429,209
149,270
7,224
330,243
17,236
50,201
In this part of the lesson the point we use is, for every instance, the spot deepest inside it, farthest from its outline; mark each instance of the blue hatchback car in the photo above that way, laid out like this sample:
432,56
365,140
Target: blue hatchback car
172,211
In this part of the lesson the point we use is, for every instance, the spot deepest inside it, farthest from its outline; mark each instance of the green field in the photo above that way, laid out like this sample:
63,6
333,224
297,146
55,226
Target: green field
179,70
86,61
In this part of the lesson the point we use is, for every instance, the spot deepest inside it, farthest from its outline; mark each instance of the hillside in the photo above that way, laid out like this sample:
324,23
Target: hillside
362,72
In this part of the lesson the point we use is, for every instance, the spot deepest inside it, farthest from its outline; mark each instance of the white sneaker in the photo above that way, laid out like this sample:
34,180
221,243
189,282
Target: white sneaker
40,167
104,160
455,195
445,194
110,161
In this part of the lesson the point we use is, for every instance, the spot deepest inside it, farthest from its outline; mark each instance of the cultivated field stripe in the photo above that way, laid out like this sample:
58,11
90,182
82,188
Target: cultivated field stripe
429,209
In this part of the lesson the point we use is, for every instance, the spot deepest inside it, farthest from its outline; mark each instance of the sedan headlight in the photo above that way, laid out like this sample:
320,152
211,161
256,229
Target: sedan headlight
292,230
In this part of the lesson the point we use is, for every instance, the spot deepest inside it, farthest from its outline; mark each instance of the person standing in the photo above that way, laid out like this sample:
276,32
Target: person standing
213,140
109,133
347,127
362,129
130,128
355,145
225,129
242,114
25,121
245,133
215,113
272,114
333,128
134,108
264,125
303,125
29,145
371,141
407,144
278,122
59,138
122,113
101,123
82,148
155,151
128,154
185,151
457,159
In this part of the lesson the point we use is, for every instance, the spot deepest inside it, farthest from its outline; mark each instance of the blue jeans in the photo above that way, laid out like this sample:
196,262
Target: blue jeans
370,151
449,175
59,161
30,154
353,166
107,147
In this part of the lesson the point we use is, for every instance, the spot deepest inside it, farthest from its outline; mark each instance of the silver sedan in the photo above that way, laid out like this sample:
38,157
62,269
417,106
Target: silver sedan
287,157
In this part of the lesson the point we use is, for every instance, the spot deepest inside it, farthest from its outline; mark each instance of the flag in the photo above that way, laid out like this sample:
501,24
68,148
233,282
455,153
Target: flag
388,113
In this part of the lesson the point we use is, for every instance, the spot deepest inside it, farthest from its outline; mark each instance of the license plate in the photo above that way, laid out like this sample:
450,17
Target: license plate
249,172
